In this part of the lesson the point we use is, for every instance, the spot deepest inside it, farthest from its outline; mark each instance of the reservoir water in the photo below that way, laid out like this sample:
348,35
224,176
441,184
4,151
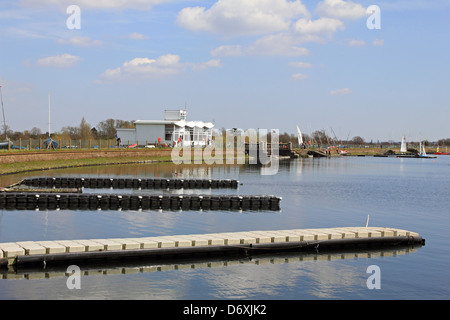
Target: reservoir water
411,194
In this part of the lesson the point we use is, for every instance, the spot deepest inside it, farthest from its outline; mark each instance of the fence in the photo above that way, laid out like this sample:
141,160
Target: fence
42,144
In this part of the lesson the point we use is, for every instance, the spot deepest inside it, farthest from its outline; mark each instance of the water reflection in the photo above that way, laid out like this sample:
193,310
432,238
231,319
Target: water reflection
157,170
131,266
405,193
270,275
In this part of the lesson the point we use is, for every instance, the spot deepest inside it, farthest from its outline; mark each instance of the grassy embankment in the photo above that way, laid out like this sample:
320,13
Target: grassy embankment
24,161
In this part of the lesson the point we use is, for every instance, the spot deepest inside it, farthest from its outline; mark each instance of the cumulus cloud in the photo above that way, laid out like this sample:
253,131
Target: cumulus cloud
356,43
300,64
272,45
237,17
81,42
340,92
146,68
137,36
60,61
378,42
320,27
284,26
213,63
340,9
299,76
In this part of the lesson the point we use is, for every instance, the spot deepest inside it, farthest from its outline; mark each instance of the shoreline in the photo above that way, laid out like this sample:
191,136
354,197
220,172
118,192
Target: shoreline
29,161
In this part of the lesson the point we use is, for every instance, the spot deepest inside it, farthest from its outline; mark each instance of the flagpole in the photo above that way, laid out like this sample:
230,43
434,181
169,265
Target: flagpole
49,114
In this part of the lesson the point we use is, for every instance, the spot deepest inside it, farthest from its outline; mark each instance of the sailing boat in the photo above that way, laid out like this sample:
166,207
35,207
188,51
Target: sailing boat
440,152
300,138
403,146
422,152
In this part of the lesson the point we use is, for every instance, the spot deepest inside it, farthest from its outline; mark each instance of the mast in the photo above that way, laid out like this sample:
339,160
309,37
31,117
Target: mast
49,114
299,136
3,110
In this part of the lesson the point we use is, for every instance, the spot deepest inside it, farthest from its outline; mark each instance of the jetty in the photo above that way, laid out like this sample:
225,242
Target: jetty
127,183
42,254
107,201
263,151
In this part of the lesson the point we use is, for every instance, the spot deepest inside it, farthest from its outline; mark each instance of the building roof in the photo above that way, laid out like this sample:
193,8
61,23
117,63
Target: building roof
179,123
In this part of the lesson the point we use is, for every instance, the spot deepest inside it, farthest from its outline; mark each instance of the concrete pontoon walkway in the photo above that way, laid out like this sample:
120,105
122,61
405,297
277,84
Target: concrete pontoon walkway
33,252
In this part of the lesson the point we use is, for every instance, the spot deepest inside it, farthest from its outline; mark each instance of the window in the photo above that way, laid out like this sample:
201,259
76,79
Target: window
169,128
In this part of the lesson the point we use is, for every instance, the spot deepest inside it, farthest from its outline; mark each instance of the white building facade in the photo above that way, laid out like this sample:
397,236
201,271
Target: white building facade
174,130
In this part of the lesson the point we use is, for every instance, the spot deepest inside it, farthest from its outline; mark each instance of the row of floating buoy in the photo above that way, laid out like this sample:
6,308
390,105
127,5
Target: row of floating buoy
131,183
75,201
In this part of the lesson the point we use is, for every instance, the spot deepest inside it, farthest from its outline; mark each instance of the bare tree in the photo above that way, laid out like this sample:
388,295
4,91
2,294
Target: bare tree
85,130
358,140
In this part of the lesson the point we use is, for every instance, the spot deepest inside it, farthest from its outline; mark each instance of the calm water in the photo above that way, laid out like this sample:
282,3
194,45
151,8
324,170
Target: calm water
410,194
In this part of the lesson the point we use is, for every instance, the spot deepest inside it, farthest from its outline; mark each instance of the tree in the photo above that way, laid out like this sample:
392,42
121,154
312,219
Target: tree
320,137
107,128
70,132
358,140
35,132
85,130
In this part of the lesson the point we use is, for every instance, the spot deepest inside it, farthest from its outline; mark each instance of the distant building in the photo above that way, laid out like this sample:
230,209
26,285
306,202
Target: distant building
173,130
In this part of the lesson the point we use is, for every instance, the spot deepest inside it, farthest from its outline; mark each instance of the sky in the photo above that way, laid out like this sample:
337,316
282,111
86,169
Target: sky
345,67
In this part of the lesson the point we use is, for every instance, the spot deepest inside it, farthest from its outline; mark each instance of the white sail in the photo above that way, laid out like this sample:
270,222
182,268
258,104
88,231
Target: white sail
403,147
300,138
423,150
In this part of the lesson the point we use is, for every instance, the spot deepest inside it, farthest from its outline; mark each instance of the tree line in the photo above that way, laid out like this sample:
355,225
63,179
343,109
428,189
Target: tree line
105,129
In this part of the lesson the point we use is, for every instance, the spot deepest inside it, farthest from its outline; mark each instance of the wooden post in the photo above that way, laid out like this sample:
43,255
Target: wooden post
20,143
89,143
40,143
9,142
29,146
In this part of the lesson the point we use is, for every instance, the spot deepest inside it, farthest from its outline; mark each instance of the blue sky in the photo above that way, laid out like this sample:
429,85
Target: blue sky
270,64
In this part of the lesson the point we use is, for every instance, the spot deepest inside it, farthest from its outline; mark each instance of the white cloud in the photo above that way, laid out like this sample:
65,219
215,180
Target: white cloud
322,26
213,63
340,9
137,36
60,61
299,76
271,45
356,43
284,26
237,17
81,42
340,92
146,68
300,64
378,42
